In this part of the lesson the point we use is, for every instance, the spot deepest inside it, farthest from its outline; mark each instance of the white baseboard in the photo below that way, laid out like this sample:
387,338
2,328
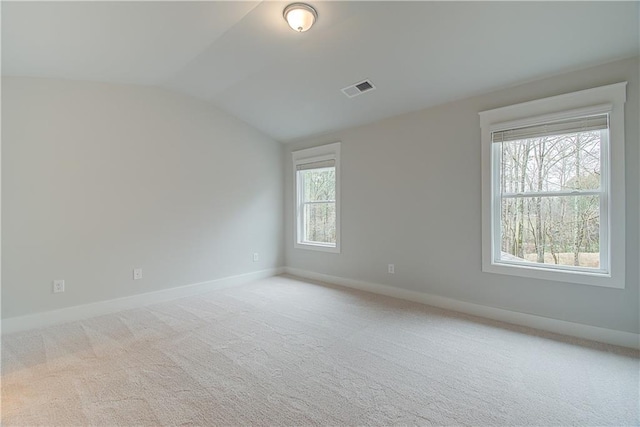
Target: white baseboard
594,333
85,311
79,312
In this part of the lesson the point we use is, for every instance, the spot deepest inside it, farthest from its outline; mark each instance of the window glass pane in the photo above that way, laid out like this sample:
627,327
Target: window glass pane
320,222
552,163
551,230
319,184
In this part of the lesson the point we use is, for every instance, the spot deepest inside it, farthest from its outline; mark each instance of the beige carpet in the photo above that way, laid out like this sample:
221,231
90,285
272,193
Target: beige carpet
286,352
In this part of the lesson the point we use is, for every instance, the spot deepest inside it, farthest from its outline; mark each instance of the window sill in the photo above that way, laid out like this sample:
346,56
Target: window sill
578,277
317,247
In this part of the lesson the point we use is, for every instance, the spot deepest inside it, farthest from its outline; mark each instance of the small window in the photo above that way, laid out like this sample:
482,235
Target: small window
317,198
553,192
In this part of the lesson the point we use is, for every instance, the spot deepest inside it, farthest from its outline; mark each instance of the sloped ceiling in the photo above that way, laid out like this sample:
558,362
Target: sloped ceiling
243,58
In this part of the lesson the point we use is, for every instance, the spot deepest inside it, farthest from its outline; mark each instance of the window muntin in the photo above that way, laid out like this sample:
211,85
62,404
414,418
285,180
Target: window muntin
552,196
317,198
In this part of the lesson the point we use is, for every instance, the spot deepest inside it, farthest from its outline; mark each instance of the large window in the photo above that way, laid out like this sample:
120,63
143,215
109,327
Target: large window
317,198
553,188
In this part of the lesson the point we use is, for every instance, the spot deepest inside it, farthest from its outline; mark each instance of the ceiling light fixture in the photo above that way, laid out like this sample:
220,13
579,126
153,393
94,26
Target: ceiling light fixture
300,16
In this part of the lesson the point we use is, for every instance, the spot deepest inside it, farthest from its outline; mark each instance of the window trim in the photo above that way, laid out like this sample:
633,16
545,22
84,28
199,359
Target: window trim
311,155
609,99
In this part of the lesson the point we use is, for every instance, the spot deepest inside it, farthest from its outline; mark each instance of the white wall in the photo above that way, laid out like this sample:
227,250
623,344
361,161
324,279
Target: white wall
411,196
98,179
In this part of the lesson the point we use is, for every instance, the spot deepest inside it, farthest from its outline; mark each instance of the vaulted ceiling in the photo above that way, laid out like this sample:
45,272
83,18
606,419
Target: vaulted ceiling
242,57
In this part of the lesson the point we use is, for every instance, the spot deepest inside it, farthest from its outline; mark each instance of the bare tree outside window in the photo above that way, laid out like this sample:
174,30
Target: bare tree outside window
319,205
539,226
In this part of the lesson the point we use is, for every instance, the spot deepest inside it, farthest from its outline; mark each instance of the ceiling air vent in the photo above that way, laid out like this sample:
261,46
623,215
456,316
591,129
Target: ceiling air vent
358,88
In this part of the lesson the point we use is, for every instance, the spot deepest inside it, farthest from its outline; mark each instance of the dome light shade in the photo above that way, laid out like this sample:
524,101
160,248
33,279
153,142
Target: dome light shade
300,16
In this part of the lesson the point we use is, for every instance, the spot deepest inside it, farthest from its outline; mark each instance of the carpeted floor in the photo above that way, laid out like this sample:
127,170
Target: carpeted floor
282,351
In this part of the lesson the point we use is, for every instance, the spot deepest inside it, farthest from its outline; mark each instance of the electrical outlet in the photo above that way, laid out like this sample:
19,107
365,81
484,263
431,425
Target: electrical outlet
137,273
392,268
256,257
58,286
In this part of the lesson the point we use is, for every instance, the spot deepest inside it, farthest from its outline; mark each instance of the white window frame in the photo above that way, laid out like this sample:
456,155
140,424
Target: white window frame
609,99
312,155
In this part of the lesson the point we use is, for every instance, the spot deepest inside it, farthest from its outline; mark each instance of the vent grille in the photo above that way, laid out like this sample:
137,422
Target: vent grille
358,88
364,86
